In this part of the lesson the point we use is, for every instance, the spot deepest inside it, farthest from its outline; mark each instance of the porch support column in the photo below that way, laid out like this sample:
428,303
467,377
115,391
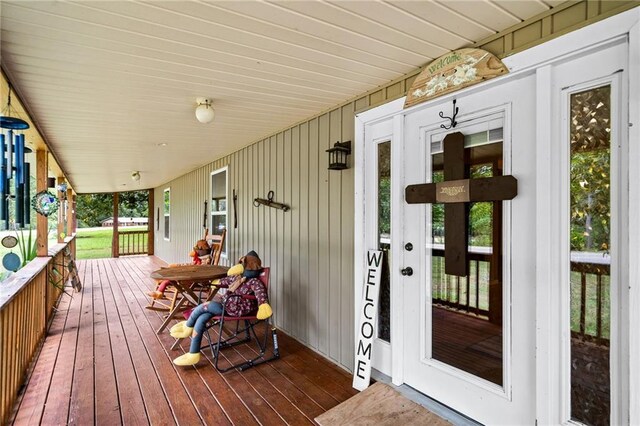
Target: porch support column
71,212
75,216
61,211
42,225
115,244
150,223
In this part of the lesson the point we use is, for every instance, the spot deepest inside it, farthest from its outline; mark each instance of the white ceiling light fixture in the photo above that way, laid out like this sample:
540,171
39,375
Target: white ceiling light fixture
204,111
135,176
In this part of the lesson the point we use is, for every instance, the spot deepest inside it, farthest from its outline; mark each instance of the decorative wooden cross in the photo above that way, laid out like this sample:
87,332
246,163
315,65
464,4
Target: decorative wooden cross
456,192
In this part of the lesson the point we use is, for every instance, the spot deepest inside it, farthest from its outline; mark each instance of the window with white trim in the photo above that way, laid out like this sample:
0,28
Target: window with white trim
219,205
167,212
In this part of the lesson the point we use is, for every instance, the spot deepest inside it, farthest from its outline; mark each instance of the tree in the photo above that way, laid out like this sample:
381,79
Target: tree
590,169
91,209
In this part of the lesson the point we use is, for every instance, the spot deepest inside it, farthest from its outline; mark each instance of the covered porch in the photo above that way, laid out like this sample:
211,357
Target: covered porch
103,363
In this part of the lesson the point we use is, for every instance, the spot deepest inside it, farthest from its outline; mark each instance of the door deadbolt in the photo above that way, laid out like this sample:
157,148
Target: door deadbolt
408,247
407,272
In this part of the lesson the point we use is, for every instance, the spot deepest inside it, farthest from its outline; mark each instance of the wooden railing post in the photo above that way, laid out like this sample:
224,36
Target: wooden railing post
115,244
150,227
42,224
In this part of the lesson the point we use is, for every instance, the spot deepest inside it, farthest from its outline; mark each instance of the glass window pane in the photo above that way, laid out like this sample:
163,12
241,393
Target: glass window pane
167,212
384,238
467,311
219,204
167,201
590,139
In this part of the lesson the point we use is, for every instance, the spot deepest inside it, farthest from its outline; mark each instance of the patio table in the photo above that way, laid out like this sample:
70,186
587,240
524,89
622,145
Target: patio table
183,278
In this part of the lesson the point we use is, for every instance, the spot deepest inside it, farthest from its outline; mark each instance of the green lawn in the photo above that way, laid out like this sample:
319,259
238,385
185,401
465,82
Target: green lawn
95,243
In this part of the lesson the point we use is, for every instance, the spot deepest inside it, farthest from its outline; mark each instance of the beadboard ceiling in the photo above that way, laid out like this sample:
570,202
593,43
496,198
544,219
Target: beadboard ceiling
109,83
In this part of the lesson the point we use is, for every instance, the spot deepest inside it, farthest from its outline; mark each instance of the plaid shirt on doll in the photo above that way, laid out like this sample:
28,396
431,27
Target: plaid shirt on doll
238,306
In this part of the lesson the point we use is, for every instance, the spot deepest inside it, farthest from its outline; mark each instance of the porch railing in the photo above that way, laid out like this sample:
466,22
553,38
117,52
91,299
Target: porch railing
468,295
590,284
590,295
133,242
27,301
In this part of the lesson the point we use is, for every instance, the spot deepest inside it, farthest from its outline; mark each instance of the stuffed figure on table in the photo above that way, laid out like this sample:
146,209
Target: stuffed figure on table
241,279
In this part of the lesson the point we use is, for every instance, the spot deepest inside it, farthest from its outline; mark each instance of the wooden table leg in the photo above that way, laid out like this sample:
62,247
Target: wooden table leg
172,314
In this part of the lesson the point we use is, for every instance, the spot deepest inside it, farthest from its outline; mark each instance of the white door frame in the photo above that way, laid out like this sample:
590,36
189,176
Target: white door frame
385,114
549,403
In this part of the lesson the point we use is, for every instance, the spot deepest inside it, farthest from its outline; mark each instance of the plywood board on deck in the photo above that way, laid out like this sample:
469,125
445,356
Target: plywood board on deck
381,405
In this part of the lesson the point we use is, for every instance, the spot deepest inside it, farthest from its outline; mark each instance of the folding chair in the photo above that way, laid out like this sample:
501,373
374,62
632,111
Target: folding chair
243,333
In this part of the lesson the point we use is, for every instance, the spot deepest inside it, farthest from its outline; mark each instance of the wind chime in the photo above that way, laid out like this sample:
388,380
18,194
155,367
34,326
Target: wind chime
12,159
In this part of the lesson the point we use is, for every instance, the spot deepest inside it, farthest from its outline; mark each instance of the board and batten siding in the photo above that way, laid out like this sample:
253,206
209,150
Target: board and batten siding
310,247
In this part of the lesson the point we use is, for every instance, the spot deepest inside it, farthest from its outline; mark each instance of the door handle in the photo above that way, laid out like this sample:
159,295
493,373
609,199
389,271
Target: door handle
407,272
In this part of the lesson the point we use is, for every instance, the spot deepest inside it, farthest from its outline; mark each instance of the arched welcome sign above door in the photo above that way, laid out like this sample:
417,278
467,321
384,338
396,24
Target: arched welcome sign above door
452,72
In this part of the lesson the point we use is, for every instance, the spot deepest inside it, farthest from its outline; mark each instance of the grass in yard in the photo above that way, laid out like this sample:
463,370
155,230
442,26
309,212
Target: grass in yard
95,243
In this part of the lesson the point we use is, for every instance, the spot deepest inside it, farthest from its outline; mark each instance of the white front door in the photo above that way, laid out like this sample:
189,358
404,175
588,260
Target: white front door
470,342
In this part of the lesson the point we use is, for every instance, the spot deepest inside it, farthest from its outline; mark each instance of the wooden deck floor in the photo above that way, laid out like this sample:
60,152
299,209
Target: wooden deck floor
468,343
102,363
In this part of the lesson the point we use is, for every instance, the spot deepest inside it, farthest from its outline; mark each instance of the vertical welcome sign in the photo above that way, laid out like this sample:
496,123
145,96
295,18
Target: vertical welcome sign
368,316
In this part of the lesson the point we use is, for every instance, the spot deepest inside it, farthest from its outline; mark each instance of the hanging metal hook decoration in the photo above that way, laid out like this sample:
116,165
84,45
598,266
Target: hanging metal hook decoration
270,203
452,119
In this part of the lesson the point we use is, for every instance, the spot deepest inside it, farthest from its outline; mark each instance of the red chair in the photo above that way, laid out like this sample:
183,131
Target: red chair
244,333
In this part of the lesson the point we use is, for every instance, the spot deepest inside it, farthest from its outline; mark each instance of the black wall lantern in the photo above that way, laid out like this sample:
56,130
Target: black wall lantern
338,155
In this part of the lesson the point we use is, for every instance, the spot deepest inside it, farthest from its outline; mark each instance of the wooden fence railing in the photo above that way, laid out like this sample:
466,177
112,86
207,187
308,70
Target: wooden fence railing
133,242
27,302
468,295
590,297
590,284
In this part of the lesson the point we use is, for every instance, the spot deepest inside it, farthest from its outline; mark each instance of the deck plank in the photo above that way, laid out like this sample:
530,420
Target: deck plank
103,363
81,408
130,400
56,409
107,405
180,401
141,375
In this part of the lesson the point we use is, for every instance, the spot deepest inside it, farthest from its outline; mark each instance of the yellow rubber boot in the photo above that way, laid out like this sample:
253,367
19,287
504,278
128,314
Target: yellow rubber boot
187,359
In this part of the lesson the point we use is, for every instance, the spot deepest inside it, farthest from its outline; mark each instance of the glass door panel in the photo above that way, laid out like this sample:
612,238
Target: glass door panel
467,311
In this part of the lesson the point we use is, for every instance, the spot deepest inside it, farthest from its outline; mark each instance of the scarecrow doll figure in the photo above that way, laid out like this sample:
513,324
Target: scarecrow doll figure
242,279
